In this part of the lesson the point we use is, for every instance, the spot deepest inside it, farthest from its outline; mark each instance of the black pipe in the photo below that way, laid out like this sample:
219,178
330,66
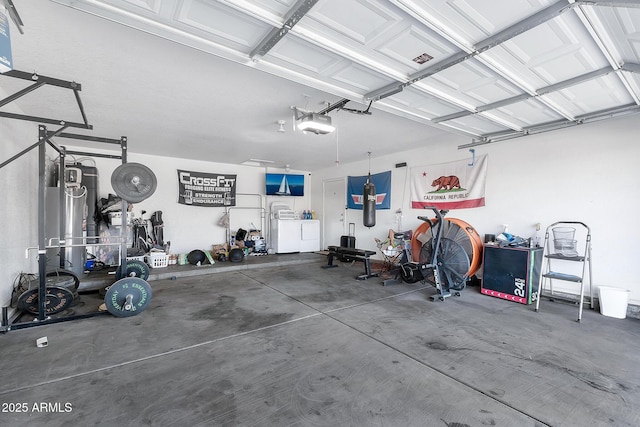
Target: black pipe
49,321
42,255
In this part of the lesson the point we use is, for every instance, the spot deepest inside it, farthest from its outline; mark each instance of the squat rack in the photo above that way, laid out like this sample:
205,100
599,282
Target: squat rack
44,137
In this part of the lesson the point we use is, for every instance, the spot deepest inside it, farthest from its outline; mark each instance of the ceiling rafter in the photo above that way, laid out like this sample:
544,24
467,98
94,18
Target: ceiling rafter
525,96
551,126
297,12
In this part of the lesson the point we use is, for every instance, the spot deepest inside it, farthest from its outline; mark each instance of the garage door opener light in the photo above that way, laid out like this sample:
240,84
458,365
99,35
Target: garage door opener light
320,124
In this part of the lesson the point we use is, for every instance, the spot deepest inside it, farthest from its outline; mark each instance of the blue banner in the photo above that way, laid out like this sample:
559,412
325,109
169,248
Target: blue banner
355,187
6,63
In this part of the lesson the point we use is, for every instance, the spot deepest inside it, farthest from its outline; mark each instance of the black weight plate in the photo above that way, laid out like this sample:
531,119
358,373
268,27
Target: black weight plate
66,282
409,273
66,273
135,268
133,182
137,289
56,300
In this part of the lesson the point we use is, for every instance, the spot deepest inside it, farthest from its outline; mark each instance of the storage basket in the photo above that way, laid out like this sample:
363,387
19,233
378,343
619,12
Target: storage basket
158,260
136,258
563,241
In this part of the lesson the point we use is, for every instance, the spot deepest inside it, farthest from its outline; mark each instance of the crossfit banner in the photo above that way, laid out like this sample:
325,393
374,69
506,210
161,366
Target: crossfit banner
206,189
355,185
455,185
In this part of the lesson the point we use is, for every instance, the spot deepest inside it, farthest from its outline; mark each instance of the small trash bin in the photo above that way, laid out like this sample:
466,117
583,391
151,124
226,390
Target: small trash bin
613,301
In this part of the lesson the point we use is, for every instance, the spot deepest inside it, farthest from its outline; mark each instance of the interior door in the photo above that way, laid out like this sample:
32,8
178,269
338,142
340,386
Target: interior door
334,201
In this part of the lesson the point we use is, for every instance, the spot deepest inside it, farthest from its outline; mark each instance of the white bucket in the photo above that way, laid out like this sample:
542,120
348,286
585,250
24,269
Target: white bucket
613,301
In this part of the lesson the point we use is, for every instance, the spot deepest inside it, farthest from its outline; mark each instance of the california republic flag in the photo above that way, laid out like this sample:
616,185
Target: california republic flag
455,185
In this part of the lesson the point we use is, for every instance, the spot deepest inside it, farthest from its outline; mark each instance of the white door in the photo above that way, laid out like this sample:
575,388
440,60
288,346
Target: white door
334,202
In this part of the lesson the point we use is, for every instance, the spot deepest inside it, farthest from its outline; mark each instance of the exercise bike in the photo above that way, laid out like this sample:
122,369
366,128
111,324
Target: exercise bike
442,262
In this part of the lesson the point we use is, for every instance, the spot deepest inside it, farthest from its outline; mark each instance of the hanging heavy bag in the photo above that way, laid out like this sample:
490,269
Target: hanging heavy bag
369,203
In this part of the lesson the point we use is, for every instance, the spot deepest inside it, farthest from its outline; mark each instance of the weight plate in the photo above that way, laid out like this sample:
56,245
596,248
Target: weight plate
128,297
66,282
56,300
133,182
66,273
409,273
135,268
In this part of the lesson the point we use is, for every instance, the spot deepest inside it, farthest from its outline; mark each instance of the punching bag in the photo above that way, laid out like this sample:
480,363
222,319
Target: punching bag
369,203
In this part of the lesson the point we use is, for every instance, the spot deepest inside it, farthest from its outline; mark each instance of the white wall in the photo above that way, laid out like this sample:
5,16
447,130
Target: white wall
187,227
192,227
18,208
587,173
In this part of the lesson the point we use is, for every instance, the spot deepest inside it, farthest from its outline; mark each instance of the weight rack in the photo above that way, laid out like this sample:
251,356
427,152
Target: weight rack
44,137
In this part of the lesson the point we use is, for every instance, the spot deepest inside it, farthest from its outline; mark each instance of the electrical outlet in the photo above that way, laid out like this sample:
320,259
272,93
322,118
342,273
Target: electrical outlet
537,226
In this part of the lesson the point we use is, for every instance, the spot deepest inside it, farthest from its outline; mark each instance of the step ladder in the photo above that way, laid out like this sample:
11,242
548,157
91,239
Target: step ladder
559,252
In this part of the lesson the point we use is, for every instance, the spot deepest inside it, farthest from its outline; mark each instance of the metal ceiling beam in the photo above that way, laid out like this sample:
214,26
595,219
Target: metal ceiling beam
630,67
551,126
542,91
611,3
297,12
394,88
525,25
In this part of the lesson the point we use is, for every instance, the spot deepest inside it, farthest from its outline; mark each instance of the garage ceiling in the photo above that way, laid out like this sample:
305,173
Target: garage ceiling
483,70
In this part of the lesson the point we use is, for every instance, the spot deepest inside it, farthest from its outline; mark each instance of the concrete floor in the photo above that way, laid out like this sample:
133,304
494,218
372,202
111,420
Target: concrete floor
282,341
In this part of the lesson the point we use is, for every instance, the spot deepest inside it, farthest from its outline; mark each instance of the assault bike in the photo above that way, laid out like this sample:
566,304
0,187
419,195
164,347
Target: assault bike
442,261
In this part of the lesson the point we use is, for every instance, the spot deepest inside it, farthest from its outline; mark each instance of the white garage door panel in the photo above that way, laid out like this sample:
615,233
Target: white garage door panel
417,102
593,95
557,50
473,83
527,113
477,125
225,25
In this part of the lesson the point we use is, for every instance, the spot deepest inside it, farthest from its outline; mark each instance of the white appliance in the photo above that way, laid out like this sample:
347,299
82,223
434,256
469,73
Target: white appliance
289,235
295,235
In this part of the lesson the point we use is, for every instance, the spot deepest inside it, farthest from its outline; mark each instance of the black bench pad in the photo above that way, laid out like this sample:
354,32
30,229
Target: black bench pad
352,254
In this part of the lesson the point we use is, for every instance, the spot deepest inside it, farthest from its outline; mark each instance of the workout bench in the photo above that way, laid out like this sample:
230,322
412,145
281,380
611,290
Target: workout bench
351,254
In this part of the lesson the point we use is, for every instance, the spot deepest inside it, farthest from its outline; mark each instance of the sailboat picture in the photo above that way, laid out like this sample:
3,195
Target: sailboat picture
280,184
284,189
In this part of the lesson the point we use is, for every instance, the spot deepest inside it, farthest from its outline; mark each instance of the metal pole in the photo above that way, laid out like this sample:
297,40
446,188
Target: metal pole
42,253
61,206
123,230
